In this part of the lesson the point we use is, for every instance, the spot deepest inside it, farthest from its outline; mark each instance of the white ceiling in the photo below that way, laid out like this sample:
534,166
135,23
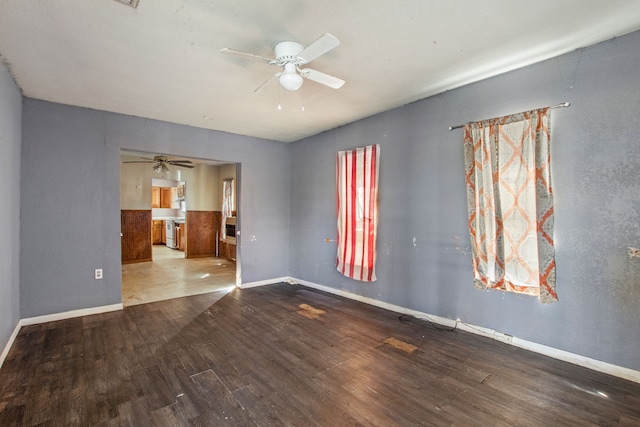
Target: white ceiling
162,60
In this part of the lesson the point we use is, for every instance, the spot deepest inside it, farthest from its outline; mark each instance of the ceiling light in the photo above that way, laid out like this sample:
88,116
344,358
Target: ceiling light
289,79
160,167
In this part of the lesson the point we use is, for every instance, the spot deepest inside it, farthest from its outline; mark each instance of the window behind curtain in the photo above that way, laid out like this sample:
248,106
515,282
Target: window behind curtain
510,203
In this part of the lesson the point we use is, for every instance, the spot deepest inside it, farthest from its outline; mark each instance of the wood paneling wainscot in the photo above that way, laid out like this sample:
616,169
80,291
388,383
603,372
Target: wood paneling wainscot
135,226
201,234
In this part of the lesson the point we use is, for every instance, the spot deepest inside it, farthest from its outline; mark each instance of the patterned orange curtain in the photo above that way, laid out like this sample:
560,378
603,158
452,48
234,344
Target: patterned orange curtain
357,209
510,202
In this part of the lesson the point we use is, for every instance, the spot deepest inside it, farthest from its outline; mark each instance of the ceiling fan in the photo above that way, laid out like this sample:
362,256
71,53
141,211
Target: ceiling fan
161,163
291,56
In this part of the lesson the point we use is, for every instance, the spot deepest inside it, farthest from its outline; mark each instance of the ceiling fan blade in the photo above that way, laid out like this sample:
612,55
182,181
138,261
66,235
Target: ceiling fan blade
247,55
322,78
139,161
322,45
179,161
265,82
182,166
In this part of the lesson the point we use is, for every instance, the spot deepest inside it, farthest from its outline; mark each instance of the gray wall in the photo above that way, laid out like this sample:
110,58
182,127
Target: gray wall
71,200
595,168
10,142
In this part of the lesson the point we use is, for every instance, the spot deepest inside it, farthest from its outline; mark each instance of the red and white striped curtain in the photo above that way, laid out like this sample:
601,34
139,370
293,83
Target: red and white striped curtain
357,209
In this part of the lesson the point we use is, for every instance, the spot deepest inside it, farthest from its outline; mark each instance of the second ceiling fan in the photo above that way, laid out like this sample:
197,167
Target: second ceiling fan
161,162
291,56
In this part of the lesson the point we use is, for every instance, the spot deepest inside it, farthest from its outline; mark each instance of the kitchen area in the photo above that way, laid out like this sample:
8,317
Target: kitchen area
177,228
179,208
168,211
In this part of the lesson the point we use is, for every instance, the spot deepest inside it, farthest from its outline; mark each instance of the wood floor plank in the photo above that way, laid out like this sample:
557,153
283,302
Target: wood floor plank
132,413
250,359
269,408
169,416
220,400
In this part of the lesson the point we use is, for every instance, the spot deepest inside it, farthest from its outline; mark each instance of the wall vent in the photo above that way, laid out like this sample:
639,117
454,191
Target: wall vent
131,3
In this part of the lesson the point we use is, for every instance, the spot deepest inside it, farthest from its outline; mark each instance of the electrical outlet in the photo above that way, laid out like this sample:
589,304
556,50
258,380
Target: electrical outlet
98,274
506,338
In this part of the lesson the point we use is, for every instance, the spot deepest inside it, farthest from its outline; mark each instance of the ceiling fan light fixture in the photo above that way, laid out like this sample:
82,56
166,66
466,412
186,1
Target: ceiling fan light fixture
160,167
290,79
290,56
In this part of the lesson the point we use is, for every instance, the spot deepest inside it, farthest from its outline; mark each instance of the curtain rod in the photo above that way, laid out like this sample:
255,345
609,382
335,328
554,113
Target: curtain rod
561,105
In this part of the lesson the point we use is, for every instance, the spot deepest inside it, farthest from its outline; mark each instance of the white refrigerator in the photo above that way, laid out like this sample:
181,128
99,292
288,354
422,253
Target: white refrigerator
170,229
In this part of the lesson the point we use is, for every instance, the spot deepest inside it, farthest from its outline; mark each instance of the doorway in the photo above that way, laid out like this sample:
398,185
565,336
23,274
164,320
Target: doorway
193,262
168,211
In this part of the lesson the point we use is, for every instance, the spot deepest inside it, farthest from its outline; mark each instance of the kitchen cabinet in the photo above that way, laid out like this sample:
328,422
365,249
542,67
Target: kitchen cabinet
157,229
181,236
162,197
165,197
155,197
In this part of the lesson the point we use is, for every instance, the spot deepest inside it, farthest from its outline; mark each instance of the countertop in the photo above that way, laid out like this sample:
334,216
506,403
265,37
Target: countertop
168,218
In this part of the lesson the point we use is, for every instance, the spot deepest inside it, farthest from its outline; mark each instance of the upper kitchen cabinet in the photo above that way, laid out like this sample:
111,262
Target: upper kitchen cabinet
165,197
161,197
155,197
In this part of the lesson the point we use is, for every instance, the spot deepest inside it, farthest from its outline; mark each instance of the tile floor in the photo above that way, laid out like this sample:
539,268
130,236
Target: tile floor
170,275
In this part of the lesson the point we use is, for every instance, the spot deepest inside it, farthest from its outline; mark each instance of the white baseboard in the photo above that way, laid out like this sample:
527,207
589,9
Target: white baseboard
263,282
70,314
7,347
52,318
576,359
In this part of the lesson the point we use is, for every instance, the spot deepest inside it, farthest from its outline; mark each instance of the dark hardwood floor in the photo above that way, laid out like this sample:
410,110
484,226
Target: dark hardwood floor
288,355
